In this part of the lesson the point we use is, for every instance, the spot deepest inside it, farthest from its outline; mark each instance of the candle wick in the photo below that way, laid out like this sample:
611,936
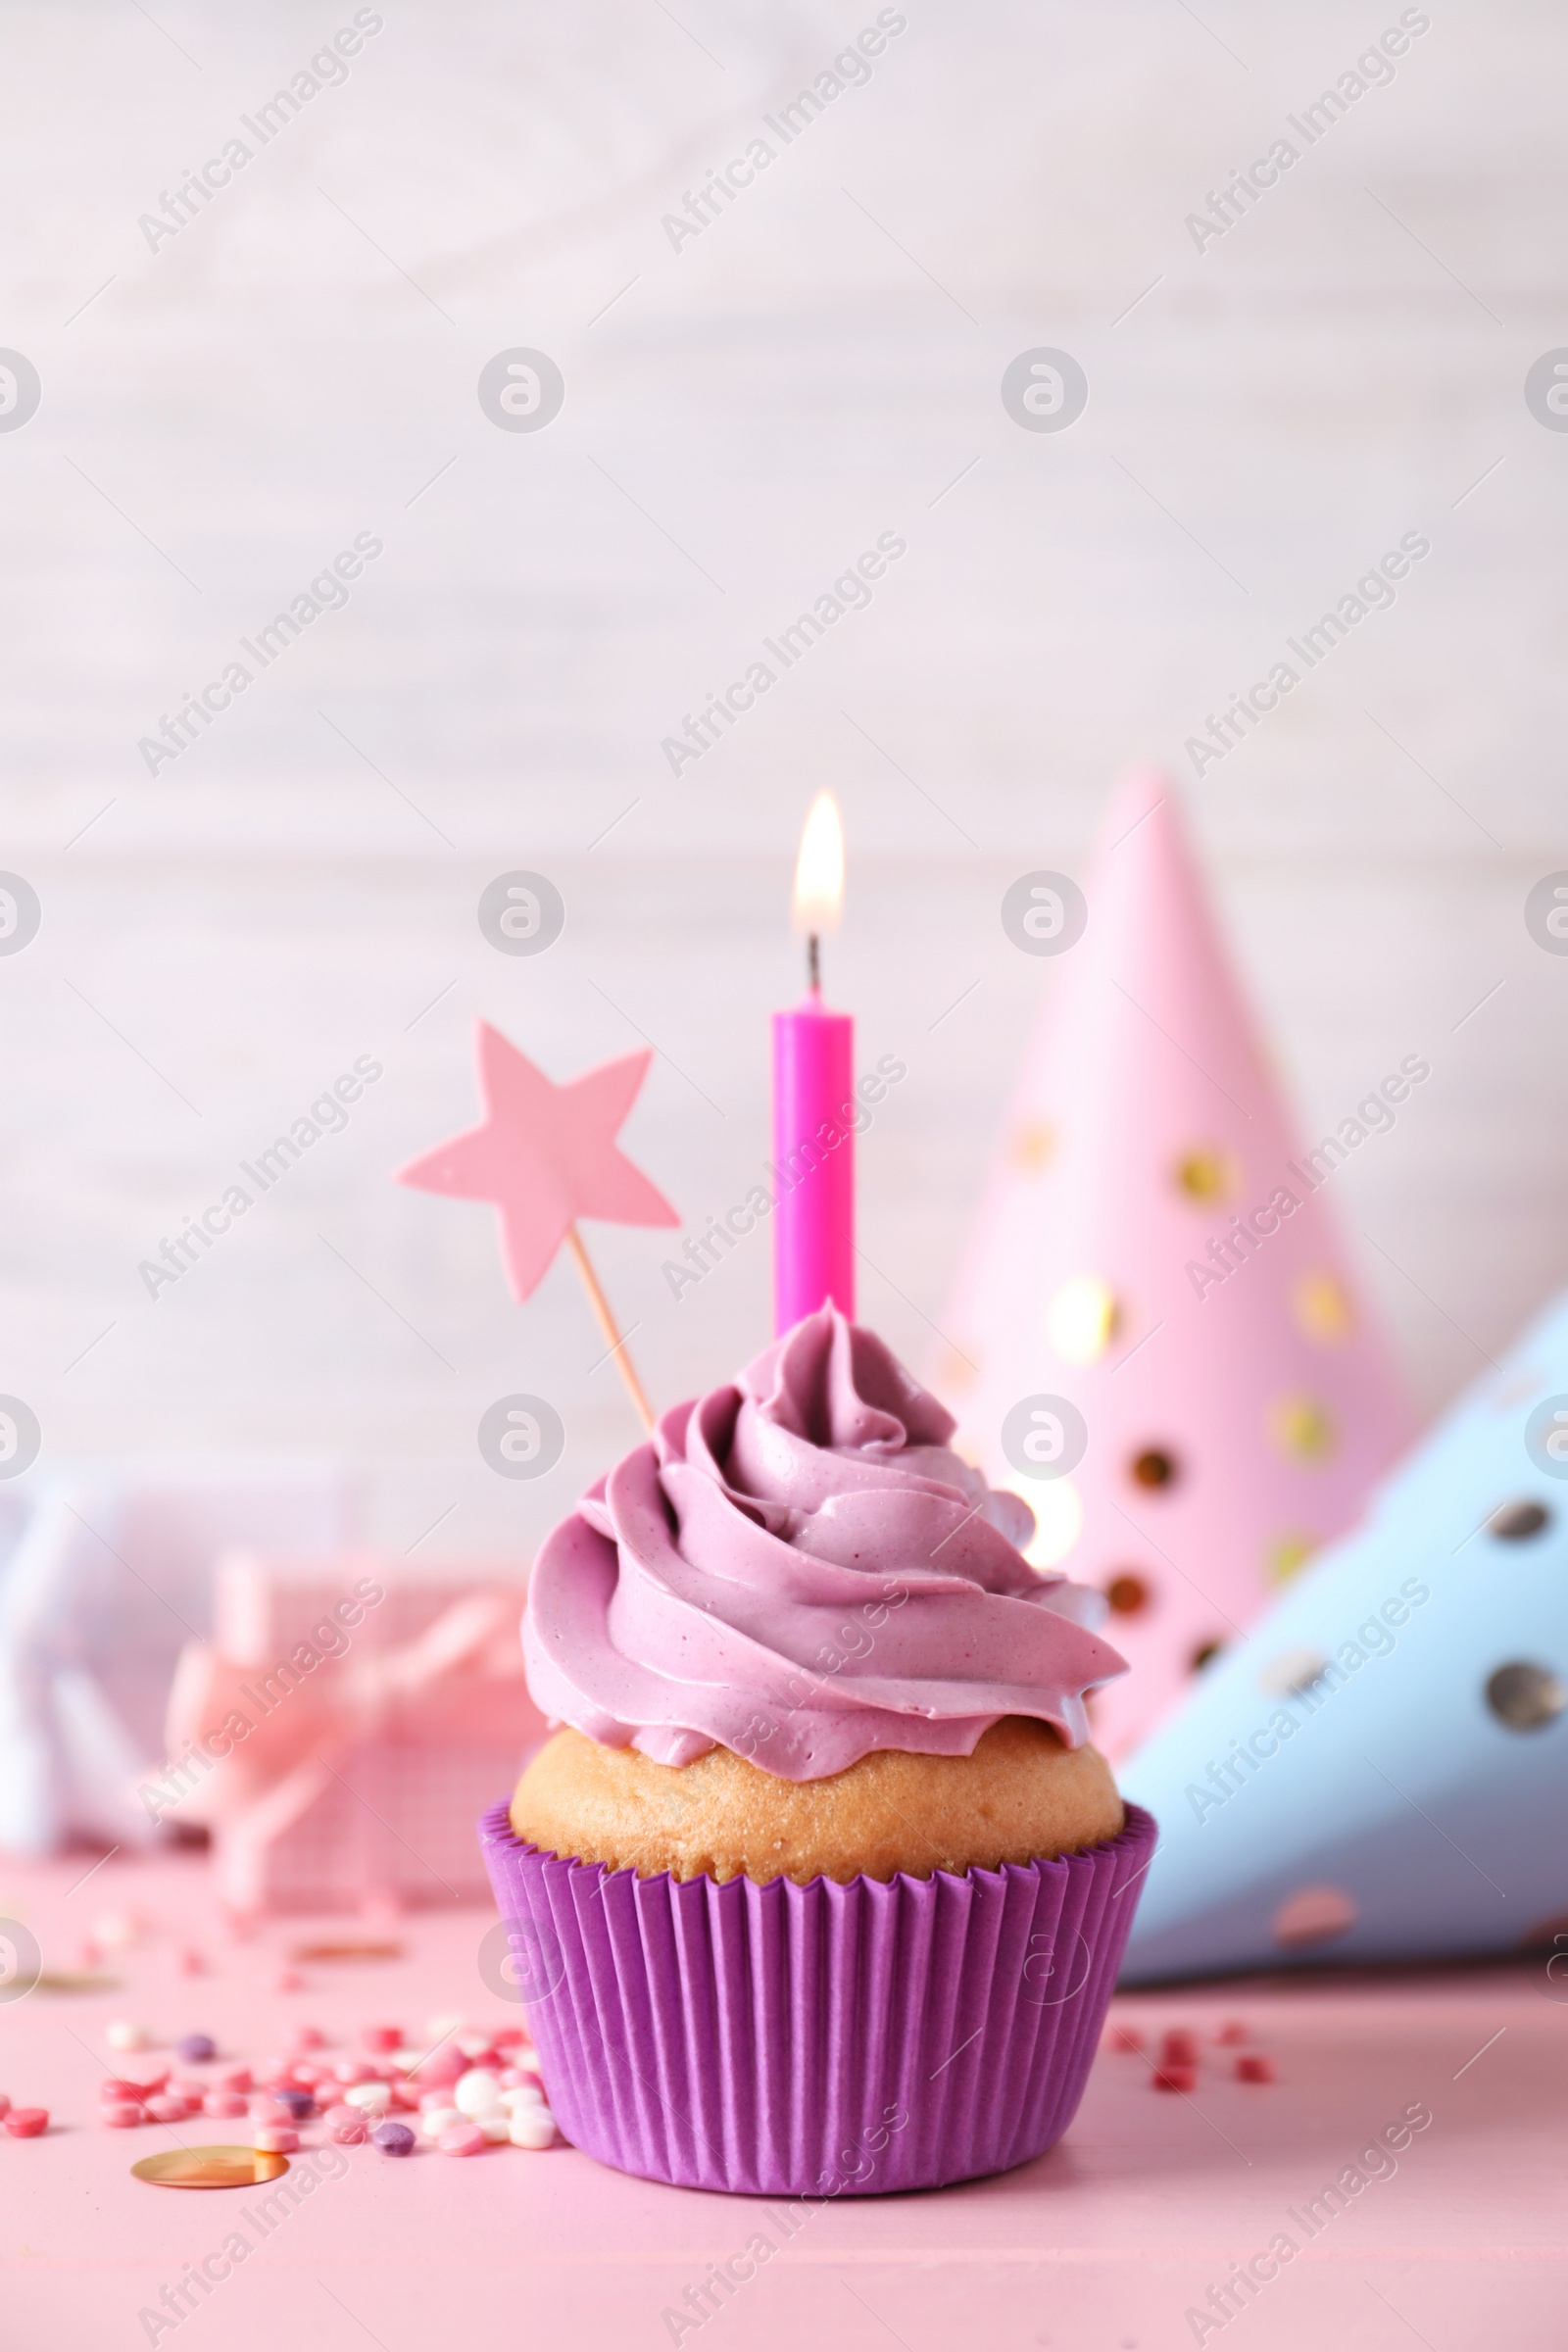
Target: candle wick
813,963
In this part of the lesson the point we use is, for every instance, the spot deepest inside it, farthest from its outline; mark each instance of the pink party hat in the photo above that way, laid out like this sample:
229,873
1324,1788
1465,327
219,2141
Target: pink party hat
1157,1341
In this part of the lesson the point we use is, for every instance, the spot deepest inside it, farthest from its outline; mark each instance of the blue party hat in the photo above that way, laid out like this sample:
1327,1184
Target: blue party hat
1377,1770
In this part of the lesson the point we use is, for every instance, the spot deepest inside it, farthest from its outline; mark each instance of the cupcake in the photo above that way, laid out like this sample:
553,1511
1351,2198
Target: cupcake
820,1887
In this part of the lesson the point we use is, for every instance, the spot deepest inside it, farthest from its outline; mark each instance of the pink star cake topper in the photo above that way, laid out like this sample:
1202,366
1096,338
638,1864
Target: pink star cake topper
546,1155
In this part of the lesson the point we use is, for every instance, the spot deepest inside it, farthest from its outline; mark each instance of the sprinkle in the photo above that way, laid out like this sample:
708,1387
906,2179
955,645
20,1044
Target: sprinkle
224,2102
25,2123
497,2128
345,2125
307,2037
1124,2038
393,2139
121,2034
375,2097
1174,2078
462,2140
232,2077
121,2113
442,2067
436,2120
195,2049
477,2092
522,2094
166,2108
275,2140
382,2038
1253,2067
532,2127
1232,2031
265,2109
298,2104
1178,2048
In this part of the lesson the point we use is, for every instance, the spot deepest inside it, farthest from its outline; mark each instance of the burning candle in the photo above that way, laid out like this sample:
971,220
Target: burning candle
813,1106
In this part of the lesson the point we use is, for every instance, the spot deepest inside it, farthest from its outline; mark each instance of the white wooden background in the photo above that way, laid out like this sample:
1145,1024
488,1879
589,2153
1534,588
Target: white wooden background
748,413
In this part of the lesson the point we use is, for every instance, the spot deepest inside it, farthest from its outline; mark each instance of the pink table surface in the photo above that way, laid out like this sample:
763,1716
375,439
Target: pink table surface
1101,2246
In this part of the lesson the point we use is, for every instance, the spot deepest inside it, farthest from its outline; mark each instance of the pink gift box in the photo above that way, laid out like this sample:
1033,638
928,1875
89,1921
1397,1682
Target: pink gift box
370,1716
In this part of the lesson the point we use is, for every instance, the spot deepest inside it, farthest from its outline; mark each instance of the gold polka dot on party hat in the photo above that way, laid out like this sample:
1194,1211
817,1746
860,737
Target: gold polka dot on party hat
1322,1308
1032,1146
1286,1555
1301,1427
1205,1174
1080,1318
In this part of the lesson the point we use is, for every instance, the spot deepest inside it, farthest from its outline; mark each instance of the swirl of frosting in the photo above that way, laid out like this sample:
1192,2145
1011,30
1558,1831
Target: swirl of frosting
798,1568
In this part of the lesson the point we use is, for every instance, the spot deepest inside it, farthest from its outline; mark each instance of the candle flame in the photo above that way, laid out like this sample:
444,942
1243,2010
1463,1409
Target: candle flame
820,873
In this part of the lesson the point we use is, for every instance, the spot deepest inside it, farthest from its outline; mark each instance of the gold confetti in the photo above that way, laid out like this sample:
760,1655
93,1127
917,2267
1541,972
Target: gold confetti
350,1947
210,2167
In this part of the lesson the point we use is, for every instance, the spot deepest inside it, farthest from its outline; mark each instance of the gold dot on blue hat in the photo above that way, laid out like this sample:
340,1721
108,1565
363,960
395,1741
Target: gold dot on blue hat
1516,1522
1293,1672
1524,1696
1080,1319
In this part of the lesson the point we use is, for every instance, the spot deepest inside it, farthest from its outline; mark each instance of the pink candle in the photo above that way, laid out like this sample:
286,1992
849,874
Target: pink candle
813,1106
813,1155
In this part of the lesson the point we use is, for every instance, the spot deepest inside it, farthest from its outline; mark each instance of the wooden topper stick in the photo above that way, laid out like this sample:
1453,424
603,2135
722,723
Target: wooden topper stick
607,1324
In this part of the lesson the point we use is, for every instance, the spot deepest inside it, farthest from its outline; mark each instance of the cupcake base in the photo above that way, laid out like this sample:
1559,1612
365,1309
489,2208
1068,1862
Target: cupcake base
820,2041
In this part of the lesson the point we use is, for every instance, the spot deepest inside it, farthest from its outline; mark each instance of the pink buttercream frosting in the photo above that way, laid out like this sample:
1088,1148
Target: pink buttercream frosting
798,1567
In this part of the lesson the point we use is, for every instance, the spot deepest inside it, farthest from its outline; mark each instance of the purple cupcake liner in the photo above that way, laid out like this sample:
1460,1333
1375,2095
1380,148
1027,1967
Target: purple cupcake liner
816,2040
